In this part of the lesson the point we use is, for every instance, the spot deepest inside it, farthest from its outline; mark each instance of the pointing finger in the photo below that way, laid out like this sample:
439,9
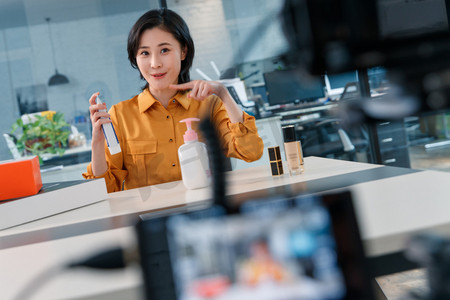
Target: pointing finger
182,86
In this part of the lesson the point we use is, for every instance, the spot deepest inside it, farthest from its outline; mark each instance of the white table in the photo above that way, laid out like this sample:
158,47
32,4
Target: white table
64,173
143,200
391,204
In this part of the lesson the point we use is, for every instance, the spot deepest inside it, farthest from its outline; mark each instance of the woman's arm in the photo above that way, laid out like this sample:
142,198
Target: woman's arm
98,118
241,140
241,137
233,110
103,164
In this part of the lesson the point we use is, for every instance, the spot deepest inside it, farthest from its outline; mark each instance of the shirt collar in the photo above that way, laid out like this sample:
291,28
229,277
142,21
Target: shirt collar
146,100
183,99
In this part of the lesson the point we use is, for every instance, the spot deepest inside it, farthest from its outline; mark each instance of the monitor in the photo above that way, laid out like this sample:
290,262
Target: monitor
296,247
287,86
260,89
335,83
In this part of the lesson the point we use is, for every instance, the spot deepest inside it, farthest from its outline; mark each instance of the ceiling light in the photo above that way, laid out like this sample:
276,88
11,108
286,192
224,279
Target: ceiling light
57,78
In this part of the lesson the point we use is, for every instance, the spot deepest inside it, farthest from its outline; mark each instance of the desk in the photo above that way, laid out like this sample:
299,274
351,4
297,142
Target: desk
298,116
306,110
391,204
71,156
22,264
123,208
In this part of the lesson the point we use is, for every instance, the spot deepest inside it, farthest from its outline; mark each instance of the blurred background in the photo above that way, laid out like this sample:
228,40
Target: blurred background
55,54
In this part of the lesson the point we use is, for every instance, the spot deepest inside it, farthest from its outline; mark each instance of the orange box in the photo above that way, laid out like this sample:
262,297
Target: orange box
20,178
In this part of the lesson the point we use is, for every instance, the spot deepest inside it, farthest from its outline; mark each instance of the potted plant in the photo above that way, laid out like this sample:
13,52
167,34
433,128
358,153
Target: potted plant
42,133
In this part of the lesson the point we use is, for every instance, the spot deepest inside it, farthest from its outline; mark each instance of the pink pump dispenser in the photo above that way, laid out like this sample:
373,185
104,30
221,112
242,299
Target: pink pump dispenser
190,135
193,158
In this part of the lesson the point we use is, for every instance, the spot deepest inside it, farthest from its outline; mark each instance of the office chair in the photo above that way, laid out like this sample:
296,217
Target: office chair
326,138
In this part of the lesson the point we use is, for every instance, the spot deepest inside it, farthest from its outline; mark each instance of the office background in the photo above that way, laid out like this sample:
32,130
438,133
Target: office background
86,41
89,38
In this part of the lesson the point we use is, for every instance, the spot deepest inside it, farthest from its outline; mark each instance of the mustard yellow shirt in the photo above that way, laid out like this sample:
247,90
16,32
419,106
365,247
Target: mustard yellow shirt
150,135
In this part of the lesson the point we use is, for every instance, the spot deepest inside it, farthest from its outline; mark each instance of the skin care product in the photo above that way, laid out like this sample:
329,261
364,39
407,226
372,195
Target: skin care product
193,158
293,150
110,134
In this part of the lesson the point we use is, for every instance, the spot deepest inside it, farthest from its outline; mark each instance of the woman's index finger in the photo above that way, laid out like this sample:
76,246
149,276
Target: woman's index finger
182,86
93,98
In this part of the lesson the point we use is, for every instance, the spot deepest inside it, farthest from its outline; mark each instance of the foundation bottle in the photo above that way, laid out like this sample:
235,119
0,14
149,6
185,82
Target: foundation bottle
293,150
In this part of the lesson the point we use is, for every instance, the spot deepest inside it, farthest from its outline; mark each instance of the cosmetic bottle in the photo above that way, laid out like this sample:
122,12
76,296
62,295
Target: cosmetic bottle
193,158
110,134
293,150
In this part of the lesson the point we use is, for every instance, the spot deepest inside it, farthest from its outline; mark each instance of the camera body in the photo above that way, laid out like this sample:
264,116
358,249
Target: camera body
432,252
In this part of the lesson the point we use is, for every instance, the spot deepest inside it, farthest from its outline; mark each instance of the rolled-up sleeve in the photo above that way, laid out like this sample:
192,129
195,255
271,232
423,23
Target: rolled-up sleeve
241,139
113,177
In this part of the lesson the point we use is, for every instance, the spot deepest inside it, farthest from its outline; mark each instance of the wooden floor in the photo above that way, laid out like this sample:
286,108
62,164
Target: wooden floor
398,286
432,159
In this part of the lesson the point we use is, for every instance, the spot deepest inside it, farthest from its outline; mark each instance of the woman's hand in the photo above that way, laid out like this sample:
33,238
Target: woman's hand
98,118
201,89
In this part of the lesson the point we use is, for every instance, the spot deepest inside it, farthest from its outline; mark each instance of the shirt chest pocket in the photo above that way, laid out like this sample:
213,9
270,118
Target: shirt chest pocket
139,155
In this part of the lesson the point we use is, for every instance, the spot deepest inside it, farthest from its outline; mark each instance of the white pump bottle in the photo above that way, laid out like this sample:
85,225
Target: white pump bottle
193,159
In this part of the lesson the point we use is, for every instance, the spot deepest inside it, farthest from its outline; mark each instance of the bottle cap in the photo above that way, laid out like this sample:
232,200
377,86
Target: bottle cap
190,134
289,134
114,149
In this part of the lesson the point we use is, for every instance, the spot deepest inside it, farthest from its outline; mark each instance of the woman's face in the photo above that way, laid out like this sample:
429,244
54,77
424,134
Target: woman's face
159,58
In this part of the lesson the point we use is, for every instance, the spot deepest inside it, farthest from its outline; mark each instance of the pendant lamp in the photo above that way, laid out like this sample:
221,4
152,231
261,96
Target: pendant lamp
57,78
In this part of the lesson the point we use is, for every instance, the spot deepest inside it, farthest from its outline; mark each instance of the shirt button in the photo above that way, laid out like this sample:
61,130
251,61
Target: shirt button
170,140
173,164
167,117
173,101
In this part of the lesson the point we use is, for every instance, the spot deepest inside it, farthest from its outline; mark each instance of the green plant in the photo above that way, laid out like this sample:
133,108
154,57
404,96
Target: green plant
43,134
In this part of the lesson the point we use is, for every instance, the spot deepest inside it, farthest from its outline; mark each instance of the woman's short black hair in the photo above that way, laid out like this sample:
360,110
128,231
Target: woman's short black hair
171,22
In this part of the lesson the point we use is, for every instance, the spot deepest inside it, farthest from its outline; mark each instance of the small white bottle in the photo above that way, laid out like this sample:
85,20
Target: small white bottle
193,159
110,134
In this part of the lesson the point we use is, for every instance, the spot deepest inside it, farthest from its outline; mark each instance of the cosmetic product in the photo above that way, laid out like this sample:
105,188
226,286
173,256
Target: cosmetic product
293,150
276,164
193,158
110,134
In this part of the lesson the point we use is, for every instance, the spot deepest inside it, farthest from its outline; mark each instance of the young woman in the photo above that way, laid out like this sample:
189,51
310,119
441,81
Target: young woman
148,125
